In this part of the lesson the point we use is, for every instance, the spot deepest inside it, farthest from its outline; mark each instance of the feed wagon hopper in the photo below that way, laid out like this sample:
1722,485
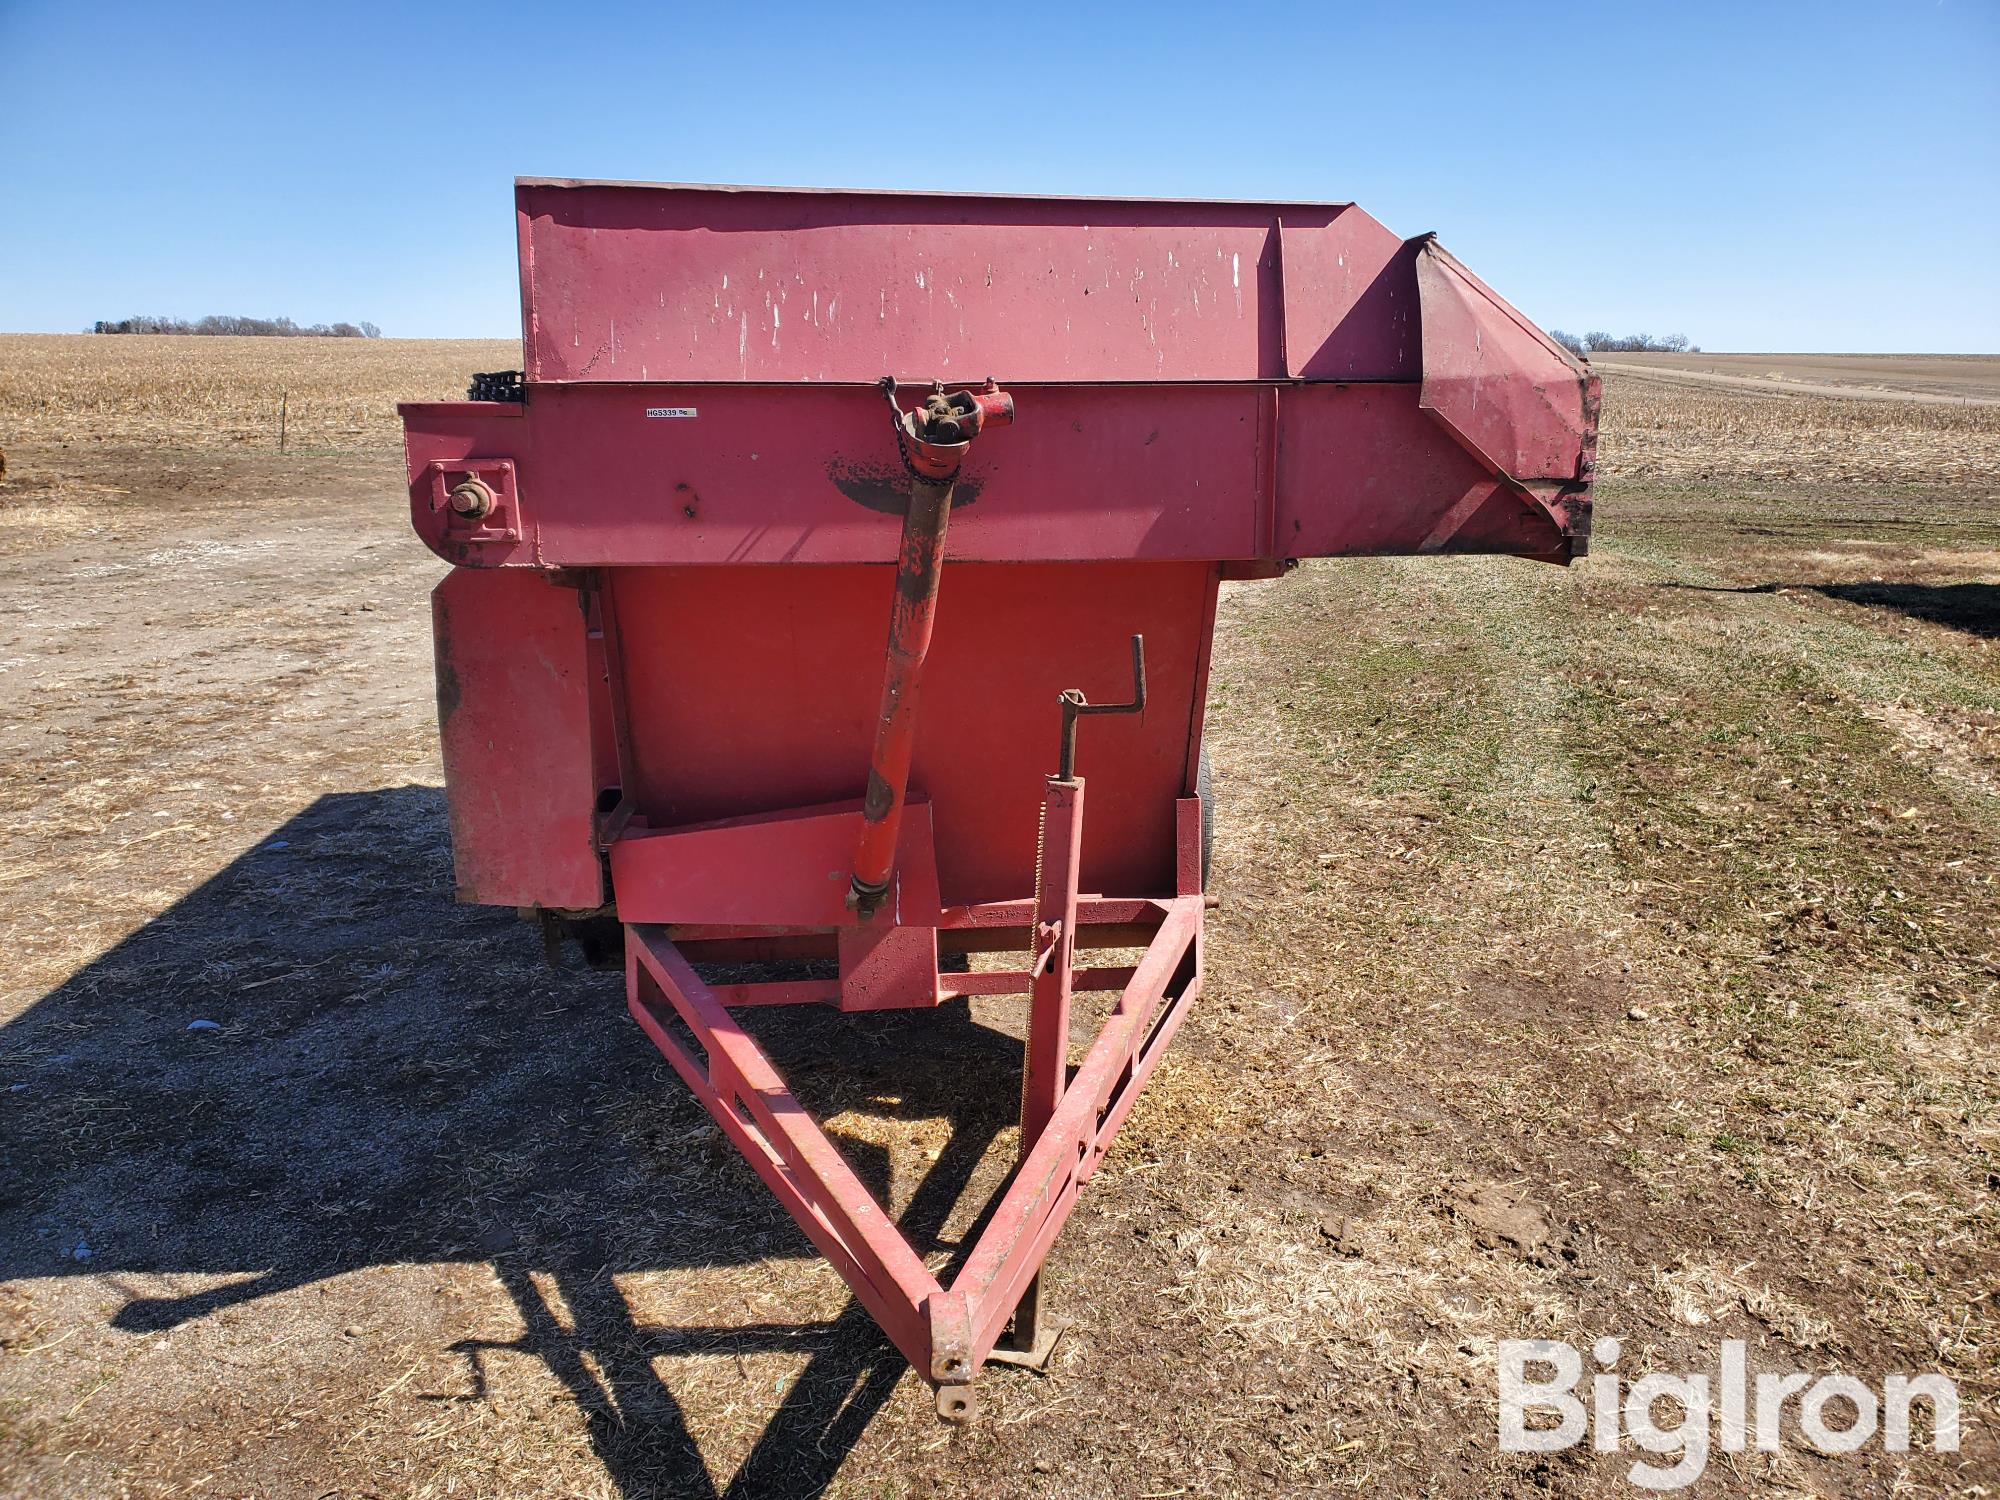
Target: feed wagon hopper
828,539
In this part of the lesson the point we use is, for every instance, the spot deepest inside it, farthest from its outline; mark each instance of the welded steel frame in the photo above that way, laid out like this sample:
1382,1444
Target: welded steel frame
1069,1118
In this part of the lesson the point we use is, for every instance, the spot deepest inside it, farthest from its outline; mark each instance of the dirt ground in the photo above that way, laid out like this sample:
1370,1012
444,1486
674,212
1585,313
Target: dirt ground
1603,951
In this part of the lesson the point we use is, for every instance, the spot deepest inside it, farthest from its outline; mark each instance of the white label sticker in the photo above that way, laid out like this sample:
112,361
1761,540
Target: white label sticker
670,411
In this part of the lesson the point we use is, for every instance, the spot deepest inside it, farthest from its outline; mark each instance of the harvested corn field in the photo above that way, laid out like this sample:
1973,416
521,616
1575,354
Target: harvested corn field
1936,422
226,393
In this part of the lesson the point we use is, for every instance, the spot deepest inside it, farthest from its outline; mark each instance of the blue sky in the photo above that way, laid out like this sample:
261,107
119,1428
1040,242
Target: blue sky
1792,177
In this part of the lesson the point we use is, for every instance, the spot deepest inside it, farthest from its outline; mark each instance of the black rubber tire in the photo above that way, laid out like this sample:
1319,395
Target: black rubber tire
1202,778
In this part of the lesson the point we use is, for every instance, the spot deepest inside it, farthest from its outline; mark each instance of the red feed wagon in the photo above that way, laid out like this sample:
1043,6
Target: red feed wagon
1020,441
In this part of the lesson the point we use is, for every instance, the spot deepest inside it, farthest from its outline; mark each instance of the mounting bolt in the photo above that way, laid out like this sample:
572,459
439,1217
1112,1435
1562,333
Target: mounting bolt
470,498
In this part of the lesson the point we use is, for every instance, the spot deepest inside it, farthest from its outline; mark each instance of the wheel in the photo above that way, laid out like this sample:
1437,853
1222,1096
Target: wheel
1202,778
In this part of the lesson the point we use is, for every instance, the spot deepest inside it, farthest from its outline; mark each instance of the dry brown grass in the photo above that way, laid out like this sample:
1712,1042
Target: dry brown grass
179,392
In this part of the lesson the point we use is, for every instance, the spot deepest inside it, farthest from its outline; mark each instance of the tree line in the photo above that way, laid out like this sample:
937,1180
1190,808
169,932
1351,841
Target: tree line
1630,343
239,327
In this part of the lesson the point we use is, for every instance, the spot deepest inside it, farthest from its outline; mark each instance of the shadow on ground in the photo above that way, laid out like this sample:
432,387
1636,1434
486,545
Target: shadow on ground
399,1079
1971,607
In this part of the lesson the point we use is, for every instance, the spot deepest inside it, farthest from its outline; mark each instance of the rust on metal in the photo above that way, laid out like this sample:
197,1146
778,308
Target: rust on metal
470,498
1076,706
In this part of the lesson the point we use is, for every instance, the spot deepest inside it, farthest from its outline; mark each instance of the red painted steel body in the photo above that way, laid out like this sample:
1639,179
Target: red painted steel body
662,681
